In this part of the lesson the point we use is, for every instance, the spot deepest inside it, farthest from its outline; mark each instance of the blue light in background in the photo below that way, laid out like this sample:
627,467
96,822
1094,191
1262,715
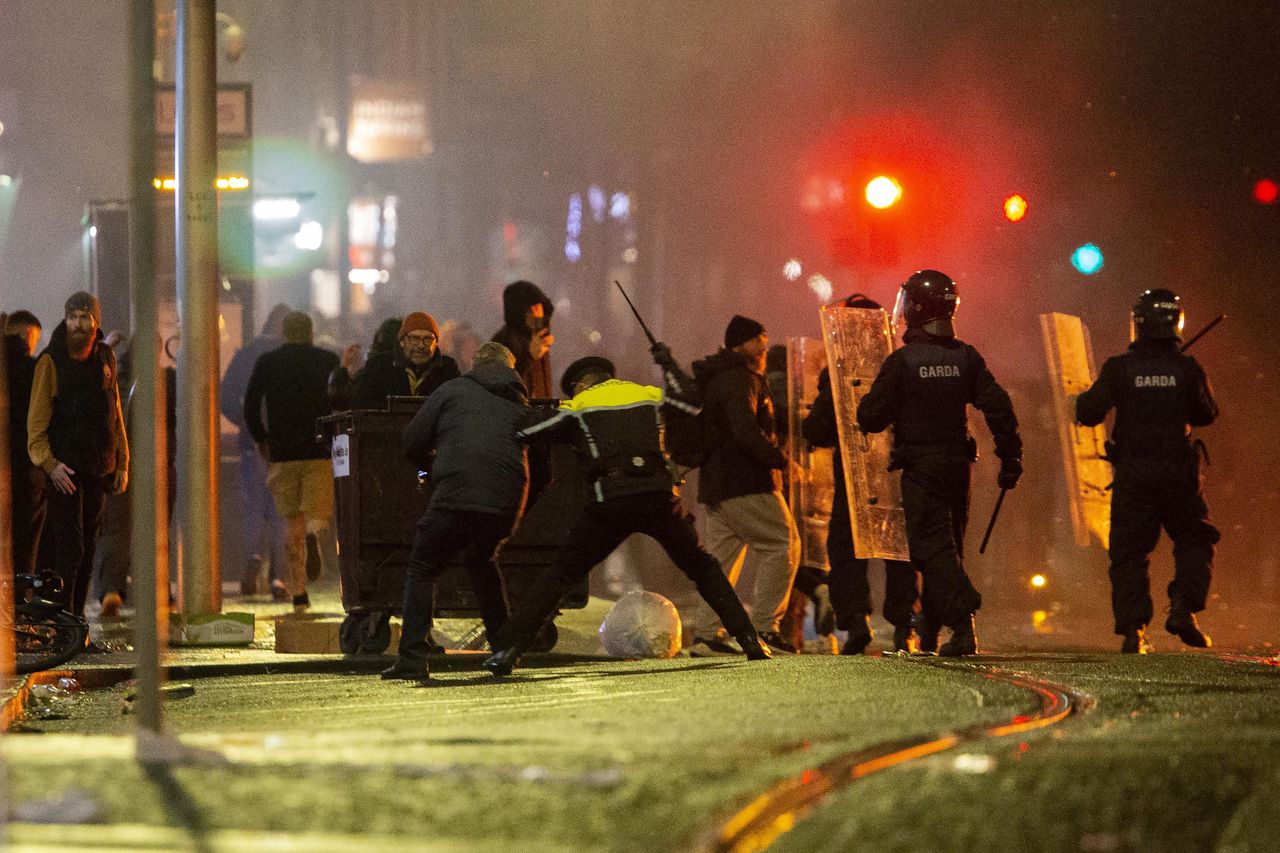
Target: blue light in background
1087,259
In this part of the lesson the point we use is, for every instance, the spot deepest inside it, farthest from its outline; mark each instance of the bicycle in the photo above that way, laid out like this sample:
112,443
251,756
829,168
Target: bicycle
45,635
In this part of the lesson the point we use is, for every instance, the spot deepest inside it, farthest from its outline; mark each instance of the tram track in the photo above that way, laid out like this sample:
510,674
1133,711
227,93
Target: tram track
774,812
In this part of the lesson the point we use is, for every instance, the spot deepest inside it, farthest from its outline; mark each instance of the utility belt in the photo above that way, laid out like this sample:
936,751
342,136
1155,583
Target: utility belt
901,454
1156,451
626,467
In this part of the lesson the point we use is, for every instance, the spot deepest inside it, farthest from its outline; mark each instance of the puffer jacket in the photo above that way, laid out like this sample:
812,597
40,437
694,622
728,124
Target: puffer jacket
465,434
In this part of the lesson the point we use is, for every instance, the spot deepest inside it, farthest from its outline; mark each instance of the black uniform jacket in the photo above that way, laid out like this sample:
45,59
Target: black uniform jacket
922,391
617,429
1158,394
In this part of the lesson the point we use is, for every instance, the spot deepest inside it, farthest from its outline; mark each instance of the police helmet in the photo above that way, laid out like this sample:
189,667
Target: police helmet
858,300
1157,314
927,300
583,366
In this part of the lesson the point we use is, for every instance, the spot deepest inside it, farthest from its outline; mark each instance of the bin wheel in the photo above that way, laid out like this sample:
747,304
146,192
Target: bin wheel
365,633
546,639
349,634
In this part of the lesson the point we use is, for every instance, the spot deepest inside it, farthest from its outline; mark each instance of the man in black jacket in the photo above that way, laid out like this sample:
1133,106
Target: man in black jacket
847,582
740,484
1158,394
616,429
75,432
465,434
415,368
923,391
293,381
27,482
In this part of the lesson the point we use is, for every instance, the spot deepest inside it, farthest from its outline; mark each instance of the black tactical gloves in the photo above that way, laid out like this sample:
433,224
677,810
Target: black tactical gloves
662,355
1010,473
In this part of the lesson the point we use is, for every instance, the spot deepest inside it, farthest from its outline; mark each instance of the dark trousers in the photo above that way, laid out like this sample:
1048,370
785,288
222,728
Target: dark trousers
440,536
72,526
935,498
848,585
30,506
1145,498
597,532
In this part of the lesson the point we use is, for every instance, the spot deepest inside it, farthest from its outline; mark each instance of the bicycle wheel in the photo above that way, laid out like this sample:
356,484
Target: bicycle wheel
44,641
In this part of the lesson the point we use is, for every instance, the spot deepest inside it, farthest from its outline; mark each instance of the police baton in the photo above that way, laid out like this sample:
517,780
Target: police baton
1200,334
652,340
986,537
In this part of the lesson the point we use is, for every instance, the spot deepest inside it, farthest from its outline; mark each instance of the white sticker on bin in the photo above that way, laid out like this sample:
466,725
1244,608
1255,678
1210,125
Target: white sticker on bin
341,455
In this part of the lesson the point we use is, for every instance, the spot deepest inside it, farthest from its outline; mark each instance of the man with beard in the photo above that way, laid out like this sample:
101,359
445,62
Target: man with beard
414,369
75,433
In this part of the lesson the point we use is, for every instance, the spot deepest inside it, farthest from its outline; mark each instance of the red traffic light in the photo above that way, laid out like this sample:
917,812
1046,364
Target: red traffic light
1015,207
1265,191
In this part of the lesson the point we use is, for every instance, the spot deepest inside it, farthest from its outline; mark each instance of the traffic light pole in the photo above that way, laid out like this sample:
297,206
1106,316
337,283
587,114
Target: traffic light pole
196,215
149,518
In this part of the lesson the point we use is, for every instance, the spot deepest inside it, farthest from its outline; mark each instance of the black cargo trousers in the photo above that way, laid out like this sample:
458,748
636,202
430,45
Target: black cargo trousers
847,583
599,530
1147,495
935,499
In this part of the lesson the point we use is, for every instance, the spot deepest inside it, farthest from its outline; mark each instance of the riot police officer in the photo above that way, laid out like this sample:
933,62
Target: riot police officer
1158,393
922,391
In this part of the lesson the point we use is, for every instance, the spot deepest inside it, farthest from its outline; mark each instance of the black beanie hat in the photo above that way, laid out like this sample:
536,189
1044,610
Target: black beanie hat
740,330
589,364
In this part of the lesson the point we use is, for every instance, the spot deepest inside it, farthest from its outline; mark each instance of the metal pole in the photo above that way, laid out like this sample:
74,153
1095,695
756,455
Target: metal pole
6,566
196,220
149,517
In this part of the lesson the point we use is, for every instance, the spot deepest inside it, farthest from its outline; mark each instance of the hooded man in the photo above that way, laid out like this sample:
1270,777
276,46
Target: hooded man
527,311
76,434
465,435
415,368
740,484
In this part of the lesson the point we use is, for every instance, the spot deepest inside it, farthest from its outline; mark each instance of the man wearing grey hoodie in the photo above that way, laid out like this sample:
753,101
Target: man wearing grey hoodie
465,435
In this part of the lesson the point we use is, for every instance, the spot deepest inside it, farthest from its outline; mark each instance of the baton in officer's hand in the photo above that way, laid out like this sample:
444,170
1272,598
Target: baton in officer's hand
986,537
652,340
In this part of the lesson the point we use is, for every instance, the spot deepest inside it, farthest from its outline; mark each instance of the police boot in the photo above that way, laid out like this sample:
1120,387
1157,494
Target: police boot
904,639
927,635
1135,641
964,640
501,662
754,647
1182,624
860,636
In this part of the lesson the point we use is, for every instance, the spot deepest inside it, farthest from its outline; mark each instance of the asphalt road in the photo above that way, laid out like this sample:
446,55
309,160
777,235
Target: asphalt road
1178,752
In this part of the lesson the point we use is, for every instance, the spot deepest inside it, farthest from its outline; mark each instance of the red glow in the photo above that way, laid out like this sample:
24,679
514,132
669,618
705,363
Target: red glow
1265,191
1015,207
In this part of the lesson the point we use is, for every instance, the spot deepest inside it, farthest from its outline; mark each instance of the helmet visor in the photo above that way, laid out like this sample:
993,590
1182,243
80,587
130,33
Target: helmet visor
898,320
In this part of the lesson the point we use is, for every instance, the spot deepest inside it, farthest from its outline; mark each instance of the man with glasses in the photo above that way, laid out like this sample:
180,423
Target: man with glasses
415,369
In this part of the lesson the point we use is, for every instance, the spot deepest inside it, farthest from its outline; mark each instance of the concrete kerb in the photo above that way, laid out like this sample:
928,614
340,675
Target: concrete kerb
98,677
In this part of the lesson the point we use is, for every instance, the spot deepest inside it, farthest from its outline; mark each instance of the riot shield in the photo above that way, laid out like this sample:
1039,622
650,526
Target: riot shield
810,484
857,341
1070,361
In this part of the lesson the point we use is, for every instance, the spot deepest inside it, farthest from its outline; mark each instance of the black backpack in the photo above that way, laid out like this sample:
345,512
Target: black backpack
686,437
